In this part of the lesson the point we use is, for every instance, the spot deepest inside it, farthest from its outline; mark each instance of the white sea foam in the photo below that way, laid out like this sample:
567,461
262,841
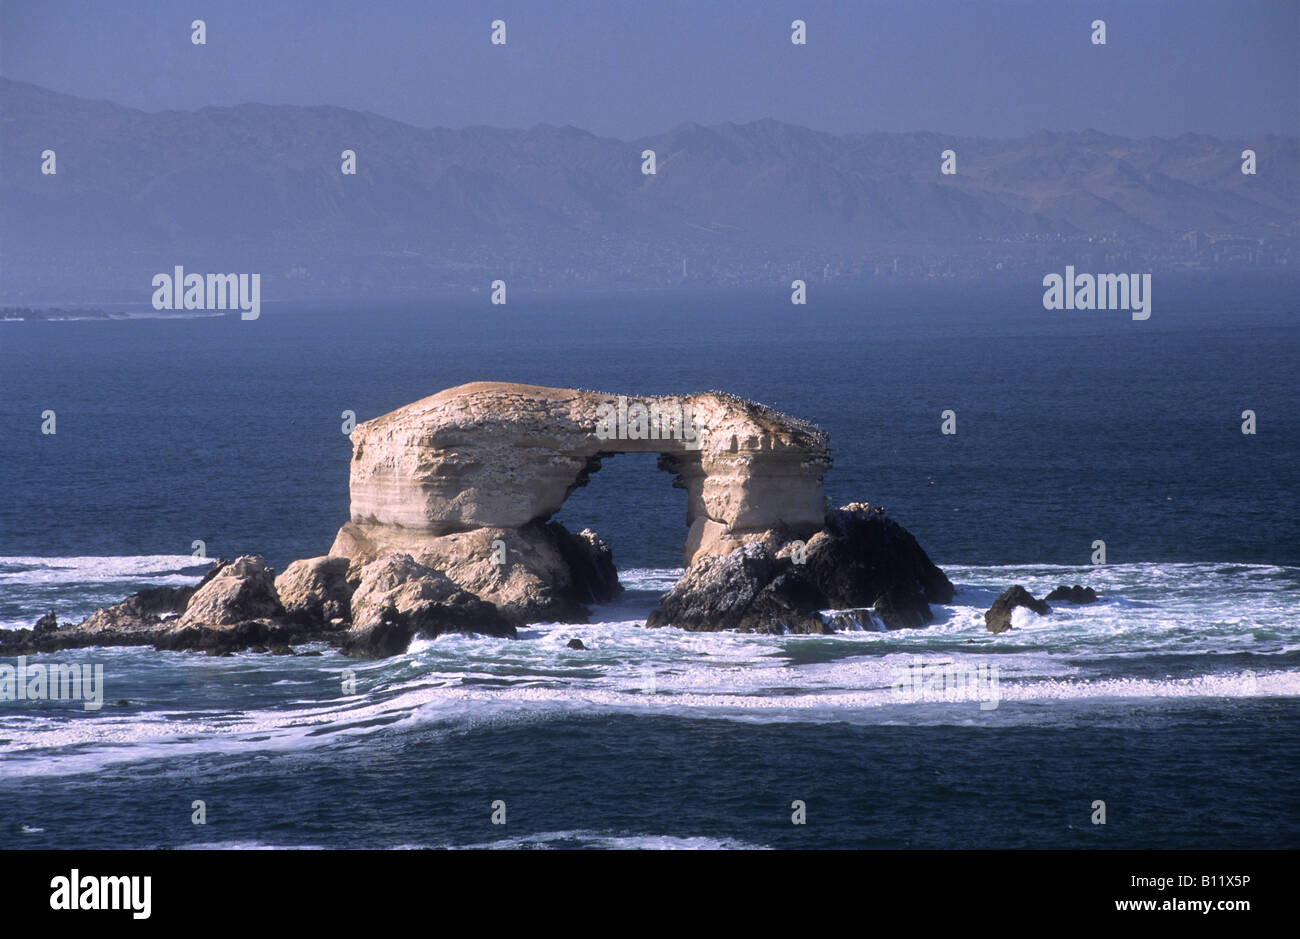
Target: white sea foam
156,568
540,840
75,586
1173,633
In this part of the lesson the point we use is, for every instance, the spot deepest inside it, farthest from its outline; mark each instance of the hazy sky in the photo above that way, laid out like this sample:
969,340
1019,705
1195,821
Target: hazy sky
971,67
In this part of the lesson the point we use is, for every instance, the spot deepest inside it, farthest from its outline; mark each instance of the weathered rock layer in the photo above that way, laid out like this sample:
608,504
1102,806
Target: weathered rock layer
497,456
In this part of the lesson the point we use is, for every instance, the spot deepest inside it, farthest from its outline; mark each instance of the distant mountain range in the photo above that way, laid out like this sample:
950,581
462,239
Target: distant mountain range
257,188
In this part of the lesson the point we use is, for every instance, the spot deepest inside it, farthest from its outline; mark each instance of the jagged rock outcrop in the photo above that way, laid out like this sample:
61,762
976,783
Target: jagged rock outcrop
316,591
235,608
862,554
151,607
141,619
998,617
156,617
449,477
537,572
233,593
750,590
399,598
861,560
1077,594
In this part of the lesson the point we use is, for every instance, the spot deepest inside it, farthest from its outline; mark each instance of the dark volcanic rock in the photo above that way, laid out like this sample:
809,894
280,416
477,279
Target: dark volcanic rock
750,590
249,635
862,553
576,644
998,617
1075,594
385,638
591,563
861,559
137,621
398,599
162,601
901,608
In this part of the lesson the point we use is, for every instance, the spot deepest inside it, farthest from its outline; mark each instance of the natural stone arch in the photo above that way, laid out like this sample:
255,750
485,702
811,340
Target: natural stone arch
500,455
444,477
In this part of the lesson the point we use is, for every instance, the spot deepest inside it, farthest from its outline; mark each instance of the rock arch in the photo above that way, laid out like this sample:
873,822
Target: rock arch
446,476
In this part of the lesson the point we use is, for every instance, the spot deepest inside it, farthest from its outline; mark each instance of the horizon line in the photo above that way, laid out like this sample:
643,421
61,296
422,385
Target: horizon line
687,123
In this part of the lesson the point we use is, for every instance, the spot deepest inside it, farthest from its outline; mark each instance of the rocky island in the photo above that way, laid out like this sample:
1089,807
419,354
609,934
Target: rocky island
451,530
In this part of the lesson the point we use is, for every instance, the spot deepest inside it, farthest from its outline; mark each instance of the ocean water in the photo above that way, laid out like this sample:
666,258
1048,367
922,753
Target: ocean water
1174,700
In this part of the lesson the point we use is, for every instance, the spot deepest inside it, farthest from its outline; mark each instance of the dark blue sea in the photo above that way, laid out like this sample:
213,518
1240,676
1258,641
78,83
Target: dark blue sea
1175,701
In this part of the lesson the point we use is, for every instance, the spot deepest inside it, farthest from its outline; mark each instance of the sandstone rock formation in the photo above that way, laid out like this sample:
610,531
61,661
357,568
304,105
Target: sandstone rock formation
235,607
482,467
399,598
998,617
316,590
233,593
538,572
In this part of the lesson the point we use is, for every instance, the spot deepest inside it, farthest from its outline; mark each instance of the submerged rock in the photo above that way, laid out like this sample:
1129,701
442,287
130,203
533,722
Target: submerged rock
575,644
998,617
1076,594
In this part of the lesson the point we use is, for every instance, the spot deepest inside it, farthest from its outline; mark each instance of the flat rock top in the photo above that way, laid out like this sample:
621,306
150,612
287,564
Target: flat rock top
510,402
503,455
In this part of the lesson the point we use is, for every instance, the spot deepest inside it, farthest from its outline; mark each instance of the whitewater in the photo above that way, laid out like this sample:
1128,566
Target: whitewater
1210,632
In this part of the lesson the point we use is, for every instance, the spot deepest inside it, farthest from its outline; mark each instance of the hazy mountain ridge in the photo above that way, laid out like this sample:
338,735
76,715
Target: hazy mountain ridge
259,188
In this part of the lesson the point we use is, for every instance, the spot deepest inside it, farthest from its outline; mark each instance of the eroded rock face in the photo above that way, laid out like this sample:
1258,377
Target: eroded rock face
861,560
316,590
234,593
149,607
998,617
399,598
537,572
502,457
